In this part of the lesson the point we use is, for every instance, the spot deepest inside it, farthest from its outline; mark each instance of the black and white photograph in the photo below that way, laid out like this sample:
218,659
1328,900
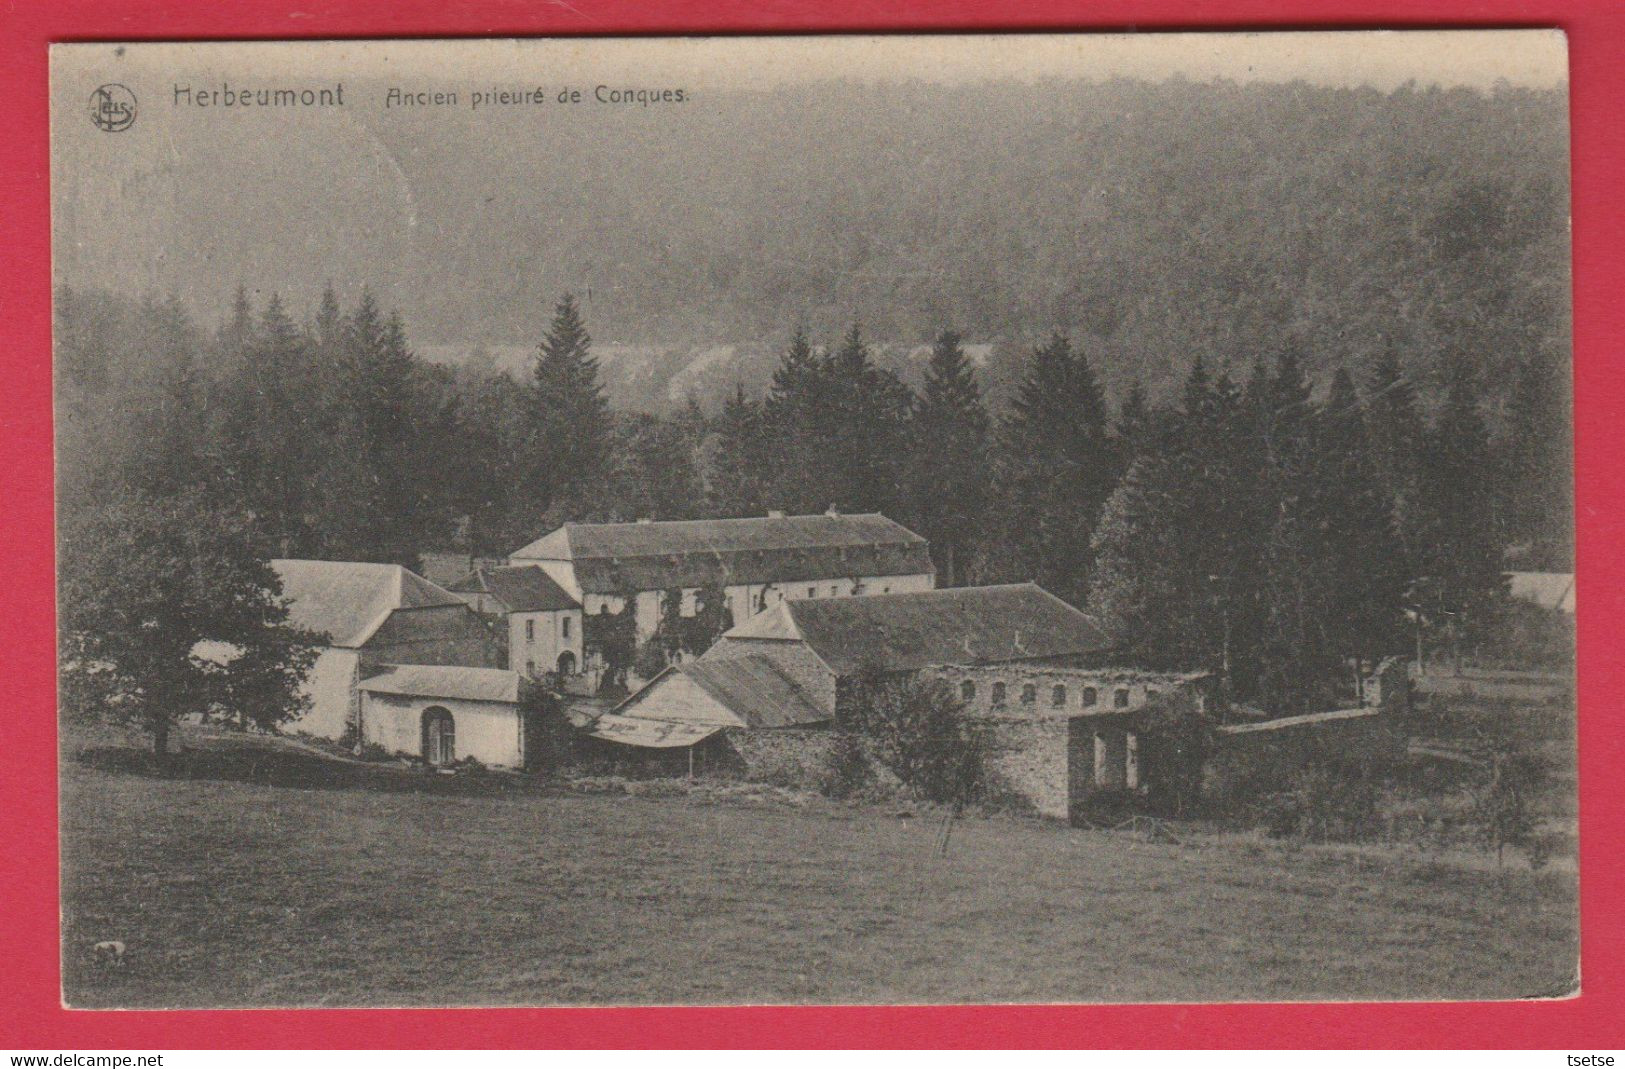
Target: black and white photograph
824,520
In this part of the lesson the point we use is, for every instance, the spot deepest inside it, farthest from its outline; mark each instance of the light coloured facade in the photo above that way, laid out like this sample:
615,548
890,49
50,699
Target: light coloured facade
445,714
372,615
539,621
756,562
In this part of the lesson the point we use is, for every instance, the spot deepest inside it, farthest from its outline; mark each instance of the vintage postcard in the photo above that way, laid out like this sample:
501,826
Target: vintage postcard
952,519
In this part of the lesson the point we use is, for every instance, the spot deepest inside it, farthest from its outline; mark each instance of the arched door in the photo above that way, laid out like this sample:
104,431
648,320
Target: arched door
439,736
567,663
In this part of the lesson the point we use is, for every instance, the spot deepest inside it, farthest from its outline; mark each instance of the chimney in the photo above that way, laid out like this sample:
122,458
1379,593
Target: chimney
775,514
645,519
832,511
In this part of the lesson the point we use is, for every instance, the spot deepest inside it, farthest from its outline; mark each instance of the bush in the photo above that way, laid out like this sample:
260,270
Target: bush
918,729
1324,801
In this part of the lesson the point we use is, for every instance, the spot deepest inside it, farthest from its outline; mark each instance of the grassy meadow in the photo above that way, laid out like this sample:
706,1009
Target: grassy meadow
235,893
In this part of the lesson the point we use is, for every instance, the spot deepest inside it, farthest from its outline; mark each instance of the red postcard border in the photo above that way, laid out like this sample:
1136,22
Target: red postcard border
30,1012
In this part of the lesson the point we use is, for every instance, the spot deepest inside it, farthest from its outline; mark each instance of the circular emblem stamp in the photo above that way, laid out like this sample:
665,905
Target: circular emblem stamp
112,108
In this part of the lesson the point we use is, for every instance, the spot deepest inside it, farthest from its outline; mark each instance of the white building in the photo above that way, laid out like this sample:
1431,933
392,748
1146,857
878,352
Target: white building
448,713
373,615
539,618
757,562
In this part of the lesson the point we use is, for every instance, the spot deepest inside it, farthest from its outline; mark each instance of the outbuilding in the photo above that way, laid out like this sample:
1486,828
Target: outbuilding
372,614
450,713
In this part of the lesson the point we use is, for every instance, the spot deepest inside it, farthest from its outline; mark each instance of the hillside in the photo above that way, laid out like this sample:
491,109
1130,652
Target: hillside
1156,222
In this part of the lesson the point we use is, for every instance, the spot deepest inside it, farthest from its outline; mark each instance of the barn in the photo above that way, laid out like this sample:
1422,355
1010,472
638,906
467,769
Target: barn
373,615
1038,673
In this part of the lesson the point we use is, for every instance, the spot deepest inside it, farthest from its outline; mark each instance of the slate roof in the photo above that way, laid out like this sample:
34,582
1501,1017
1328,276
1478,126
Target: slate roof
526,588
620,558
348,600
445,681
904,632
752,687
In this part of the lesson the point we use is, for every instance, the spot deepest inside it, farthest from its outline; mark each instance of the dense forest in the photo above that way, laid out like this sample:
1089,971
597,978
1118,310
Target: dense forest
1153,223
1252,522
1272,378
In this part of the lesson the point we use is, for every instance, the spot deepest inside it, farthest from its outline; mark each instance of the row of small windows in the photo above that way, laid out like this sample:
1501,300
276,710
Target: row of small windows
1090,696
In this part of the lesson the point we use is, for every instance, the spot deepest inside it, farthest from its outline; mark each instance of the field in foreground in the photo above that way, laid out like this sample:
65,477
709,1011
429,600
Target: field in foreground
238,894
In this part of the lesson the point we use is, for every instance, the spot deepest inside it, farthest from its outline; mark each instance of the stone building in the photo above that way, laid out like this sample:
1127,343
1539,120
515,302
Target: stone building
755,562
373,615
538,619
1037,672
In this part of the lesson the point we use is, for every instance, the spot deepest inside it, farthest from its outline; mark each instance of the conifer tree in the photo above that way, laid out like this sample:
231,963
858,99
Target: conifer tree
951,477
739,465
1058,468
569,433
862,415
1358,553
1396,431
1460,560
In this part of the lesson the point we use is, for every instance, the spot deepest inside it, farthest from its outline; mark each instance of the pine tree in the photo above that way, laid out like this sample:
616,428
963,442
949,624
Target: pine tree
951,475
1058,467
738,467
374,487
569,433
1134,423
1358,551
1461,555
1396,431
862,415
791,428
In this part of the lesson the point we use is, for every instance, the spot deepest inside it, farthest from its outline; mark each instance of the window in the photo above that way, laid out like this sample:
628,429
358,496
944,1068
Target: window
1057,697
1120,699
857,587
812,592
998,694
1090,697
564,626
530,668
885,590
530,629
967,691
1029,694
834,591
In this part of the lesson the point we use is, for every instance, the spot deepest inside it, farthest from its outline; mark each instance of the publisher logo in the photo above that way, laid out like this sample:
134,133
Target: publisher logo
112,108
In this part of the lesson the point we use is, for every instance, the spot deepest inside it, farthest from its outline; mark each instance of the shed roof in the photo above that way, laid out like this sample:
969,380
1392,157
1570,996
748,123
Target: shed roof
445,681
611,558
525,588
349,600
904,632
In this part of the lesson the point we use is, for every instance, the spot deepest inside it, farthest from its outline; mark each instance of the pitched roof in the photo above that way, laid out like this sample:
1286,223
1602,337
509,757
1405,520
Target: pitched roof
752,687
526,588
903,632
445,681
612,558
349,600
